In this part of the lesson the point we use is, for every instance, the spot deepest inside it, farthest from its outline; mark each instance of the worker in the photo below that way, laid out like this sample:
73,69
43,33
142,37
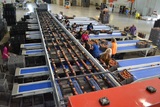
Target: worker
104,58
79,34
90,27
112,8
133,30
95,49
103,45
85,36
5,52
88,46
67,24
74,26
113,47
60,16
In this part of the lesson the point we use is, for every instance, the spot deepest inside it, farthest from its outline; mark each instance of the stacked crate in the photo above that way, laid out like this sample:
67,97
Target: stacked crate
14,62
155,36
85,3
17,34
157,23
3,28
9,13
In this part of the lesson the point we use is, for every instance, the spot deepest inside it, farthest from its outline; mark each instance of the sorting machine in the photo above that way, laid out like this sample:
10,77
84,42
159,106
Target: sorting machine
72,70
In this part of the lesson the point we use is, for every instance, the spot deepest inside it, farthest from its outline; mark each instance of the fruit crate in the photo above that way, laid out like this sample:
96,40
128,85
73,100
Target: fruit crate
113,65
125,76
143,44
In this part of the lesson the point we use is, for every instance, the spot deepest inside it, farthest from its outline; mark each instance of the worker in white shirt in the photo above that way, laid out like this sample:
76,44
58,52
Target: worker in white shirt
60,16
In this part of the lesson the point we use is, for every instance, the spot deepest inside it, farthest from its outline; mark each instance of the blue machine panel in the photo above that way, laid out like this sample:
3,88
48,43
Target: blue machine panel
41,69
34,51
139,61
25,45
31,87
146,73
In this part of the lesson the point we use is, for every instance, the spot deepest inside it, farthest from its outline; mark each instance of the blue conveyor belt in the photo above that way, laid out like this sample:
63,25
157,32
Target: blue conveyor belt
126,48
146,73
34,51
59,90
77,87
94,83
121,49
32,87
138,61
38,44
127,41
34,70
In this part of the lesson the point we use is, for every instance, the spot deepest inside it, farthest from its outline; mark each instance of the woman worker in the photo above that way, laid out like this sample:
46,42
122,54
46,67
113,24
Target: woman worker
114,47
5,52
106,56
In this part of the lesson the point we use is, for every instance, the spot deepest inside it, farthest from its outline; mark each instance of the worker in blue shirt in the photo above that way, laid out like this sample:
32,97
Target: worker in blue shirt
95,49
90,27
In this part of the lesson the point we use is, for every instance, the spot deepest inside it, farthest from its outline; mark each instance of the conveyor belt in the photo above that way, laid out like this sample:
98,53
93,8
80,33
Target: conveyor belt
95,27
32,46
80,18
138,62
130,46
70,54
33,36
146,73
31,71
84,22
33,88
107,36
32,32
34,52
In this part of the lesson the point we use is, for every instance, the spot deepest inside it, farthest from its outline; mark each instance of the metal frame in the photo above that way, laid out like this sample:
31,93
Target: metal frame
55,91
17,94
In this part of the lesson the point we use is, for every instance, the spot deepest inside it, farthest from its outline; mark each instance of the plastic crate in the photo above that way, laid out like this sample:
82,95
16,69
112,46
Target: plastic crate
123,33
125,80
143,44
113,67
3,85
142,35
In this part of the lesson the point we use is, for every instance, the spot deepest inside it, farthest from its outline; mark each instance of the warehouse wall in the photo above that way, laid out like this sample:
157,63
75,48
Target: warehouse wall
8,1
148,6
